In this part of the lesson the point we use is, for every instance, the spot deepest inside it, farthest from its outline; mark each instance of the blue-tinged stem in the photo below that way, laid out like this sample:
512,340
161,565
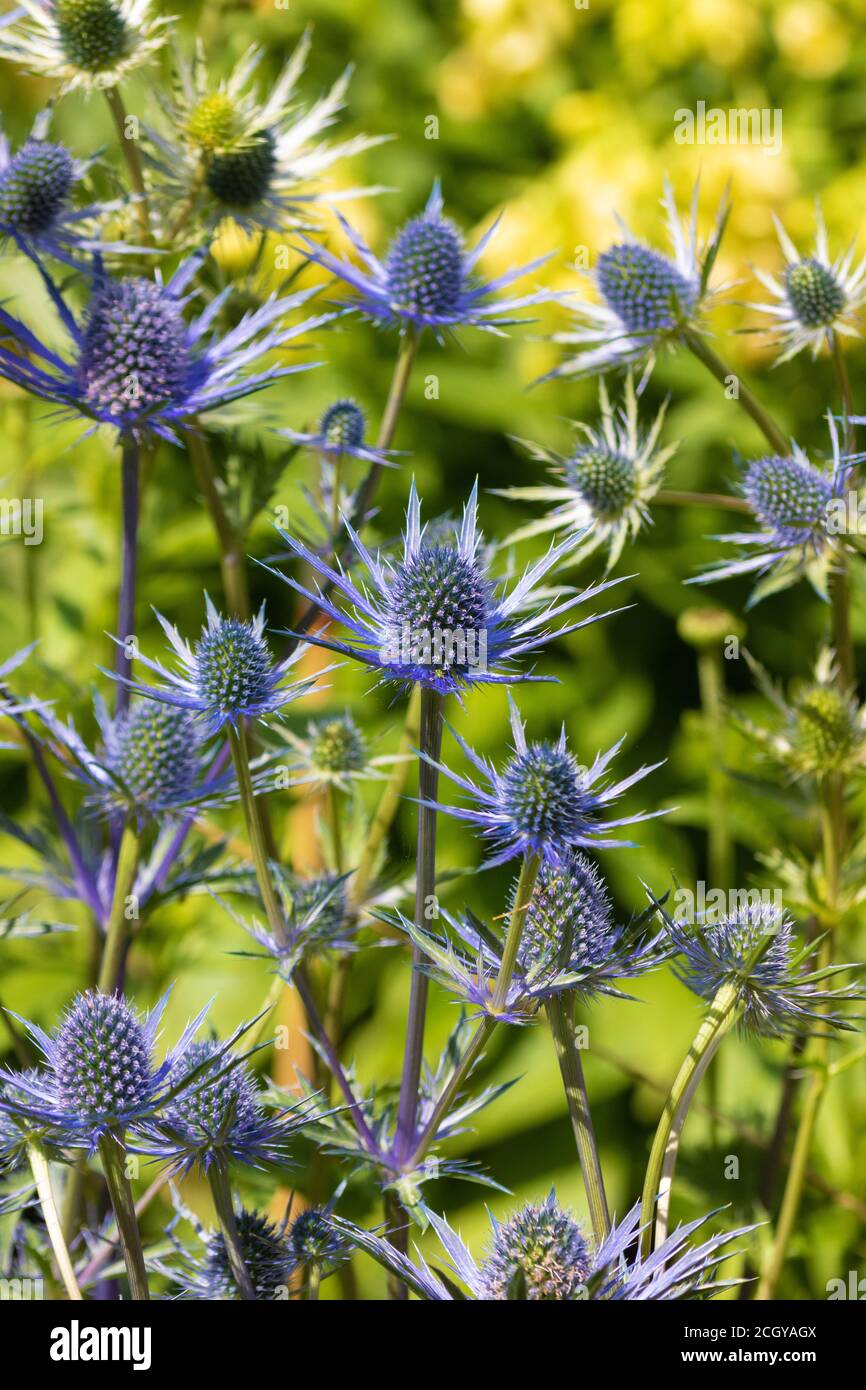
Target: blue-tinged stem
425,902
84,879
129,565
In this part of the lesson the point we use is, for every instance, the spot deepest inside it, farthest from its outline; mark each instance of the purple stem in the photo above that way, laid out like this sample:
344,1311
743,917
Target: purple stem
302,985
83,877
177,842
129,565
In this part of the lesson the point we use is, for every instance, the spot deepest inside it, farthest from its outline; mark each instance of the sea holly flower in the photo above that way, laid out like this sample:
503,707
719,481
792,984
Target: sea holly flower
332,752
434,616
605,485
229,675
646,300
428,278
541,1254
252,154
316,1245
754,948
340,434
208,1274
570,944
220,1117
315,919
138,365
89,44
814,297
822,727
798,507
100,1076
543,801
151,762
36,186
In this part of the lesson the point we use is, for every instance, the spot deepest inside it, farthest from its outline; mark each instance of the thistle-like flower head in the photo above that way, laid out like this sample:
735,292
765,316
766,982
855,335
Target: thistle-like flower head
314,1240
815,297
100,1076
428,279
434,616
604,486
797,505
151,763
341,434
754,948
820,728
266,1254
540,1253
645,299
316,920
228,676
570,945
220,1117
137,364
242,153
84,43
331,752
37,182
542,801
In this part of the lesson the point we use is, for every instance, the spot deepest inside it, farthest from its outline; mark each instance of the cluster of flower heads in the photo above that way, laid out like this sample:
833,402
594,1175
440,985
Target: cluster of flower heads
541,1254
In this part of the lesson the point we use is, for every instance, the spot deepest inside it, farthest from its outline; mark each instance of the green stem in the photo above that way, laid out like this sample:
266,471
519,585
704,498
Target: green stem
231,542
394,404
525,887
723,1013
560,1013
833,830
220,1187
335,809
752,406
133,163
117,933
255,830
670,497
42,1177
112,1155
311,1282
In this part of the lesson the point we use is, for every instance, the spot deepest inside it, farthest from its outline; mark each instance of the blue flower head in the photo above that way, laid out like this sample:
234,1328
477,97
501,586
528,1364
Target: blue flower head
341,434
570,944
137,364
228,676
315,918
755,949
794,503
314,1240
266,1253
543,801
540,1254
36,187
645,299
220,1117
100,1076
428,279
434,616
